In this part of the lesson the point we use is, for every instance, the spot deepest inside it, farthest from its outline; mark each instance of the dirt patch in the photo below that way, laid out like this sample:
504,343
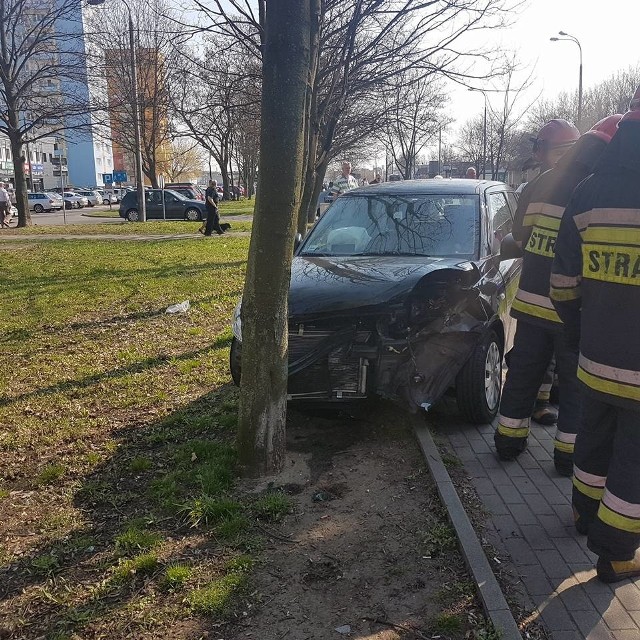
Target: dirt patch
368,553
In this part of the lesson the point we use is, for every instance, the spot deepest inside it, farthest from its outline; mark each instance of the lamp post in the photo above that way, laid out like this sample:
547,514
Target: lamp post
142,205
570,38
484,133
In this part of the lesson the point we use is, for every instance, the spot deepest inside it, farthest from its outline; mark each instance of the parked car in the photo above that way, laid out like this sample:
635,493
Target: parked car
58,202
177,206
399,290
186,189
108,197
40,202
74,201
93,197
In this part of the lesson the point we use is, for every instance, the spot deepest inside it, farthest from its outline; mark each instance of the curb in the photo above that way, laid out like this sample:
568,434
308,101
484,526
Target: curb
493,600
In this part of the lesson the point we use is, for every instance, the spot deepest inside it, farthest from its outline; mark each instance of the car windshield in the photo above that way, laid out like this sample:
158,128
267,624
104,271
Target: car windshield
176,194
415,225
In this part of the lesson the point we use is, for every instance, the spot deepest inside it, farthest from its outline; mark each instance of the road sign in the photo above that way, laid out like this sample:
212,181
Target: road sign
107,178
119,176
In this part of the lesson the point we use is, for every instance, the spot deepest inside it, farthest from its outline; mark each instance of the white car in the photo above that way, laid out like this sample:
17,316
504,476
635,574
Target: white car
40,202
93,197
73,201
108,197
58,202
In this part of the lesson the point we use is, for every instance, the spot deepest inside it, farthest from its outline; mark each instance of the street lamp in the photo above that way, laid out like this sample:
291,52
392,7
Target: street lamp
570,38
142,205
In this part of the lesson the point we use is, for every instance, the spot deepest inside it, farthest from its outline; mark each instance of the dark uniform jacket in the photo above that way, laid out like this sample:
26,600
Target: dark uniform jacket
536,225
595,283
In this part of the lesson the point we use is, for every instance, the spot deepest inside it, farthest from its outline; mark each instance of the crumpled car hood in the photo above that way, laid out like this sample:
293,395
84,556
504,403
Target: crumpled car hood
335,284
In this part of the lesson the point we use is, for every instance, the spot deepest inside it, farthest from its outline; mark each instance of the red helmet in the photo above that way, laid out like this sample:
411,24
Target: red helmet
556,133
606,128
634,108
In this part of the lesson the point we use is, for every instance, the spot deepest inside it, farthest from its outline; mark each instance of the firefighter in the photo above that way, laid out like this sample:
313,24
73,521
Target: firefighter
594,286
539,332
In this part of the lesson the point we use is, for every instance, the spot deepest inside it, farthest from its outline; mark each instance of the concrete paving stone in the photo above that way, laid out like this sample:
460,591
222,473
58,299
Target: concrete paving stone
575,599
552,563
601,599
538,476
588,622
527,461
479,445
522,514
571,550
495,504
616,616
556,617
562,482
538,504
509,494
553,495
629,595
537,537
567,635
625,634
484,486
564,512
521,553
525,485
636,616
539,453
465,453
554,527
500,477
537,585
600,631
489,460
458,439
507,527
485,428
475,469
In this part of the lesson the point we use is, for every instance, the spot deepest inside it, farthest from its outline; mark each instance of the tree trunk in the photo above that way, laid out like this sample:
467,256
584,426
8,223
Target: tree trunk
263,393
22,202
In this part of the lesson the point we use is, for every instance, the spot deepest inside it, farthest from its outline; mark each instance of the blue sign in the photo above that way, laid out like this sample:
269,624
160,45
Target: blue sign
119,176
107,178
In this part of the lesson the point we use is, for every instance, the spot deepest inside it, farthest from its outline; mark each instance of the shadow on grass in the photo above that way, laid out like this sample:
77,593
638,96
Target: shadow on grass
220,342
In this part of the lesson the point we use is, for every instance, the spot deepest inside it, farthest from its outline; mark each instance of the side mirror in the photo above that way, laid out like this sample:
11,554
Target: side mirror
297,242
509,249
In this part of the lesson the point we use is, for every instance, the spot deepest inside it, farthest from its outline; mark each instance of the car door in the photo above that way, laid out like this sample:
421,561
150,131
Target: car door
154,203
174,206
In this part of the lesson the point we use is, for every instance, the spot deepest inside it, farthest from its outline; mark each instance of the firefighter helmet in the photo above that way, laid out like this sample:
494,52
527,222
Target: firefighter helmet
556,133
606,128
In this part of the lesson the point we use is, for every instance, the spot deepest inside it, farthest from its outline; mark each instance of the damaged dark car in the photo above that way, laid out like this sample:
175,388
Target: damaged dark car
400,290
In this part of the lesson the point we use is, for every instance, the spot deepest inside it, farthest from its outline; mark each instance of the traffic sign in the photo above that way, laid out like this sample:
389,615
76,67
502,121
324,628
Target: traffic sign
107,178
119,176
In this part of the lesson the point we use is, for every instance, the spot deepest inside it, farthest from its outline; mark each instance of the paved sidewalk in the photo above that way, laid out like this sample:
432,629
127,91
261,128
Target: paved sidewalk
41,237
530,508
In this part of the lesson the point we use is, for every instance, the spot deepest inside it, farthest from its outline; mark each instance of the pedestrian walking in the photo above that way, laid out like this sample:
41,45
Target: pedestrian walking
5,206
212,198
594,287
345,182
538,332
471,173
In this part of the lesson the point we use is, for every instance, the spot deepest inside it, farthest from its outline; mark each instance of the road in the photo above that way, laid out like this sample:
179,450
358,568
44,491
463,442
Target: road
74,216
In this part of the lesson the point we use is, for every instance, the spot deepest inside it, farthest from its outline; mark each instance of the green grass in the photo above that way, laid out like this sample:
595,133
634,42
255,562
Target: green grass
447,623
123,228
138,408
272,506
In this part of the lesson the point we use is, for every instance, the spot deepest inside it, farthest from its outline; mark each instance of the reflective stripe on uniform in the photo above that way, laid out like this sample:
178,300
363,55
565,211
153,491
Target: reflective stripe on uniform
619,263
622,217
513,427
564,288
588,484
564,442
623,383
535,305
543,214
619,513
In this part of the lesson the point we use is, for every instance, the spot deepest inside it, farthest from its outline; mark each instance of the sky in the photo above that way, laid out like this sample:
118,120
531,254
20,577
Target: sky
608,33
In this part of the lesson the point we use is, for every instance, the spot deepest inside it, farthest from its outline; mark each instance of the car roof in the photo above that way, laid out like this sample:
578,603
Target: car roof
446,186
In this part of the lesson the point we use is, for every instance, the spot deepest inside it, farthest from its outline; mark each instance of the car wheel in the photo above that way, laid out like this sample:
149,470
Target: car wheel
479,383
105,201
38,208
91,204
192,215
235,357
133,215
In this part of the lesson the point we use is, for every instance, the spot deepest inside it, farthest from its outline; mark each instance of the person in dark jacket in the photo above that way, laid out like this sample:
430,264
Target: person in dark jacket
539,332
594,287
212,197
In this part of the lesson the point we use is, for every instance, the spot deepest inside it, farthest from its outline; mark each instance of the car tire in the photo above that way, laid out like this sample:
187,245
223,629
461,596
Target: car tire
38,208
105,202
90,204
235,359
132,215
479,382
192,215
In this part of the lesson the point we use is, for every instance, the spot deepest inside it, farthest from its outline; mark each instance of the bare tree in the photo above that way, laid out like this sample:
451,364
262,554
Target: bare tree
412,105
43,84
263,391
185,160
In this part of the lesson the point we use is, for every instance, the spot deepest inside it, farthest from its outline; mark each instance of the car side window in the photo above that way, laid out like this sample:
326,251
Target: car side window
501,219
